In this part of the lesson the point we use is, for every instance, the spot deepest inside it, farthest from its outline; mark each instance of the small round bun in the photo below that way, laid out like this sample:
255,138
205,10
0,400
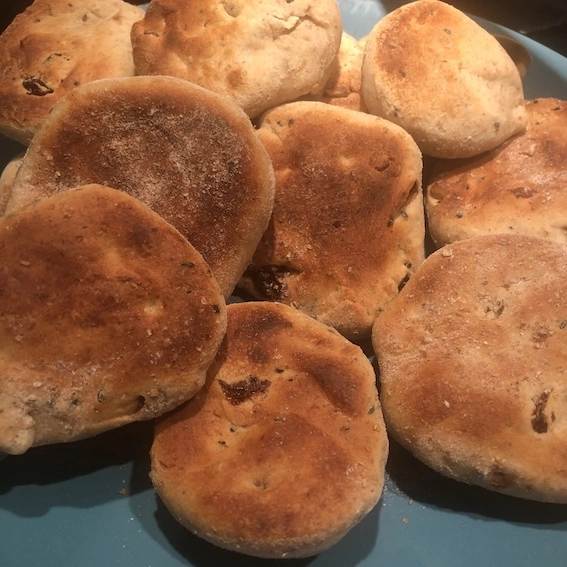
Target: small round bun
261,53
347,228
107,316
473,366
431,69
190,154
343,87
519,187
55,46
284,449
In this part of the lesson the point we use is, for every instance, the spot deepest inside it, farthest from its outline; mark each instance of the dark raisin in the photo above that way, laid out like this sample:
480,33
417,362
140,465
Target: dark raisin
238,392
36,87
539,419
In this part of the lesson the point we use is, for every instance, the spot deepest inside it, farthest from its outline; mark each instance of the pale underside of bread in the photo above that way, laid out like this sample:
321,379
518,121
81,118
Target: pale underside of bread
189,154
107,316
517,188
347,227
7,180
260,53
55,46
434,71
284,448
472,364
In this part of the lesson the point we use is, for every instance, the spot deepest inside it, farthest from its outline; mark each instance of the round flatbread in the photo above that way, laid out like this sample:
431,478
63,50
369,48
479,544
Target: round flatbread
520,187
284,449
434,71
473,366
107,316
347,228
189,154
260,53
55,46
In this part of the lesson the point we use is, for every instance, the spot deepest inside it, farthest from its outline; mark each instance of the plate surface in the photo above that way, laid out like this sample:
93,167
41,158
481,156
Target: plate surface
91,504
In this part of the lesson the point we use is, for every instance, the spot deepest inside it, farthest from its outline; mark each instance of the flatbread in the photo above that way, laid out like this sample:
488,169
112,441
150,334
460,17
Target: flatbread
107,316
55,46
189,154
520,187
343,87
284,449
347,228
434,71
261,53
473,372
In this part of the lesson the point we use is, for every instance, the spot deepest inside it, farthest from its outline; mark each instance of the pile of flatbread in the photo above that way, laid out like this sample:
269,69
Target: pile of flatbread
217,203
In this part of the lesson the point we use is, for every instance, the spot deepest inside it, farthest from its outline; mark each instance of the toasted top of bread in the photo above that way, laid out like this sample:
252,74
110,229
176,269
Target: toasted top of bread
473,372
284,448
518,187
347,227
189,154
54,46
107,316
434,71
261,53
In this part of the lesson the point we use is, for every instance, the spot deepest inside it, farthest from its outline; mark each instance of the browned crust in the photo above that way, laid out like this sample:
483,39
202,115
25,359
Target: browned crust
189,154
434,71
260,53
517,188
284,448
473,368
107,316
54,46
347,227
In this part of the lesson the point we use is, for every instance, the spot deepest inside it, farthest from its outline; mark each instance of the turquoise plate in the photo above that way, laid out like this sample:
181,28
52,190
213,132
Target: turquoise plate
91,504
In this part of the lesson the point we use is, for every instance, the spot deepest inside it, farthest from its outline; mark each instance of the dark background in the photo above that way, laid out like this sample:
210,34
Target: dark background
542,20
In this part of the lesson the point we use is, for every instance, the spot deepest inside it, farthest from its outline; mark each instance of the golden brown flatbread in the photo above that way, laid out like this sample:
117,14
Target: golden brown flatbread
347,228
343,87
434,71
189,154
55,46
520,187
107,316
473,366
261,53
284,448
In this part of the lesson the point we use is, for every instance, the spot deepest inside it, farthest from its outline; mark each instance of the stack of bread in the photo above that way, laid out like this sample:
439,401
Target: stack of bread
254,150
